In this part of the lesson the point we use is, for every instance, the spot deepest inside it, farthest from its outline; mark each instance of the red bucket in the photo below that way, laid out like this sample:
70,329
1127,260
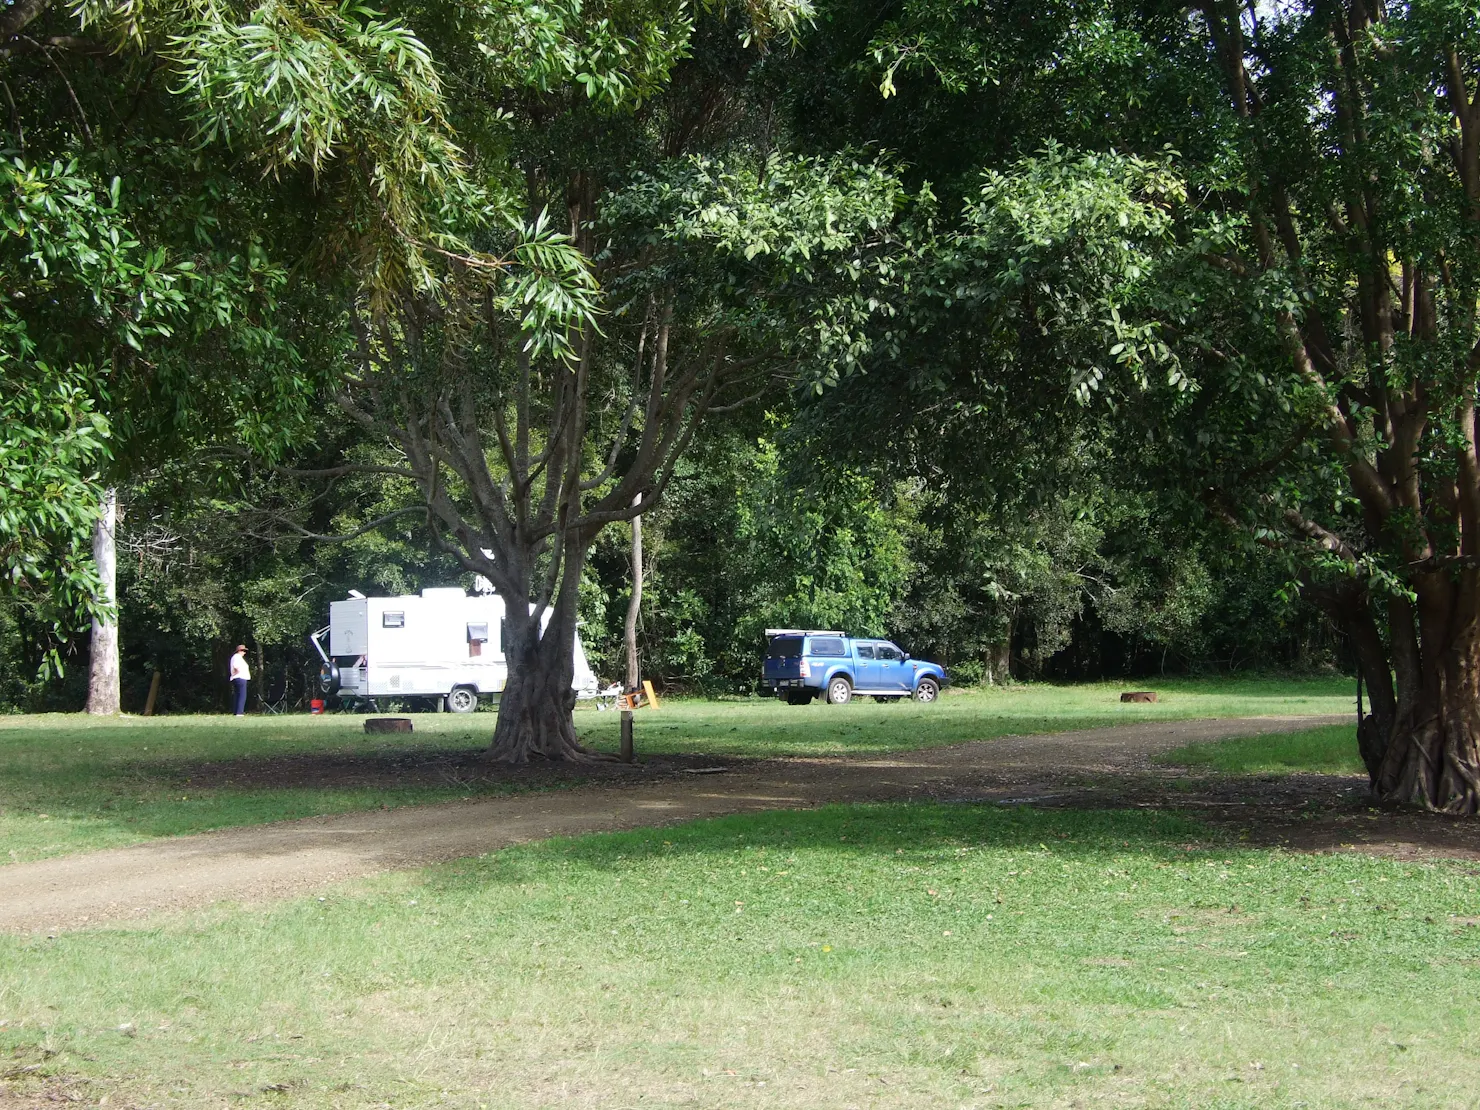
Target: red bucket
316,705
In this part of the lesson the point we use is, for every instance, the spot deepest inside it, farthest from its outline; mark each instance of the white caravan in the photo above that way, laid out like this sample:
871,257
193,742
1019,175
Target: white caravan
441,643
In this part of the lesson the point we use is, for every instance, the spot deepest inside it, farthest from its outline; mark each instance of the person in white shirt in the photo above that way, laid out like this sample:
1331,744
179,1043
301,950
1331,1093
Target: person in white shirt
240,674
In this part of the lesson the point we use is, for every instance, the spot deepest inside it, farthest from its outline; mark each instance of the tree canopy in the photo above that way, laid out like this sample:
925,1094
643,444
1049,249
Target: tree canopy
1018,329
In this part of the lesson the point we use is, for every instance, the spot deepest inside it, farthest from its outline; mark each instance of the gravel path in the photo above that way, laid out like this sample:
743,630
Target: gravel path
276,861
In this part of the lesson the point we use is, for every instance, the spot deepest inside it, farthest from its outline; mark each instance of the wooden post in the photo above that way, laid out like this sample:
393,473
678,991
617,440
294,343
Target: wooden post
153,693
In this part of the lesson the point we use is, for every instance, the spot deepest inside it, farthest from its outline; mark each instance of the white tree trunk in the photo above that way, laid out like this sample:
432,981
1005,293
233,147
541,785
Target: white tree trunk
104,697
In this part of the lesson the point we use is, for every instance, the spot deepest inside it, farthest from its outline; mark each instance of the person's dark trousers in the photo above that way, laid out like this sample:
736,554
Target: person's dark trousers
239,694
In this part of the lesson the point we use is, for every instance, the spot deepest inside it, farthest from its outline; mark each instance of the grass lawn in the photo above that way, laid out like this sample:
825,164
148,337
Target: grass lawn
1329,751
70,783
880,956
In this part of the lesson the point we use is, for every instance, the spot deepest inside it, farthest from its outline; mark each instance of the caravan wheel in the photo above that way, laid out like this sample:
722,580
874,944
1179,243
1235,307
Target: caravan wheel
464,699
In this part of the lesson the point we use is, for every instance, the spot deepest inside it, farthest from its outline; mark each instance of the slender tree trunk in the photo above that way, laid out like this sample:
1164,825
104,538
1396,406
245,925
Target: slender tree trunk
629,635
1431,756
260,674
1376,728
634,605
104,696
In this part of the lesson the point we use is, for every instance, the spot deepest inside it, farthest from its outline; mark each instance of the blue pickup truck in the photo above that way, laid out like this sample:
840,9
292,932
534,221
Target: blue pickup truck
802,664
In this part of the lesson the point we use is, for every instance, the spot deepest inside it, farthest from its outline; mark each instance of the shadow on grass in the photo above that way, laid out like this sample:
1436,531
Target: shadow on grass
170,796
905,832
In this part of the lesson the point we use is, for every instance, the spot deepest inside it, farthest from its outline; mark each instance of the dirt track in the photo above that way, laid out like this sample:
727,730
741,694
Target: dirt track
274,861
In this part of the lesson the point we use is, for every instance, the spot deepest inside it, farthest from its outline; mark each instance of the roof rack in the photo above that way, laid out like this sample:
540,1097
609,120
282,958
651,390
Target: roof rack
803,632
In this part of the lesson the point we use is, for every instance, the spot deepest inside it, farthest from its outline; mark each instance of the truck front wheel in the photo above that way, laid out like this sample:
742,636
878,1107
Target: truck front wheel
464,699
928,690
839,691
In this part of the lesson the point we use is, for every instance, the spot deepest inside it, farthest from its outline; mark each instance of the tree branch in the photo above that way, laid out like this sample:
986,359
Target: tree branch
17,17
304,533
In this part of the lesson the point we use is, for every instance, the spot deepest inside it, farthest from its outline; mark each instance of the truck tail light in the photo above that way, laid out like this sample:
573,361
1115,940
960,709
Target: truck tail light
806,671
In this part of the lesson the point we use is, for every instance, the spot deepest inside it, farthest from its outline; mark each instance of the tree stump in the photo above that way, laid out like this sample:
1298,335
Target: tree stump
388,724
1138,695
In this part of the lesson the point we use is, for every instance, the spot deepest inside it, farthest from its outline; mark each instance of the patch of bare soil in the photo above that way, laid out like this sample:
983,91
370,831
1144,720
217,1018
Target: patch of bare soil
1107,767
27,1086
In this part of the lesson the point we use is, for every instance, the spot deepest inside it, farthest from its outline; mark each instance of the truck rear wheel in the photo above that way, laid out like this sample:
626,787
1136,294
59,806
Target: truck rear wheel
463,699
839,691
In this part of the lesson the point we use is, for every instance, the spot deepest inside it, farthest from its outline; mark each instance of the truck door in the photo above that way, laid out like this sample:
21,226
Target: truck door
783,659
893,674
866,667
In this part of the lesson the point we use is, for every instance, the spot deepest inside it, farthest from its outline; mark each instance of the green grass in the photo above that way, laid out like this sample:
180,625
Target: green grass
71,783
882,956
1329,751
772,728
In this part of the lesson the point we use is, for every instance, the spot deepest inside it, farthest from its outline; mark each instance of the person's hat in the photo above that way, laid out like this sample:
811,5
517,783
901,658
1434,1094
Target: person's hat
241,647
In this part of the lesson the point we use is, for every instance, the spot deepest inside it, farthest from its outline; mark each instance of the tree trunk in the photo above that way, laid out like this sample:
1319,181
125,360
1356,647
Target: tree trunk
535,709
104,697
535,712
999,663
629,635
634,605
1431,753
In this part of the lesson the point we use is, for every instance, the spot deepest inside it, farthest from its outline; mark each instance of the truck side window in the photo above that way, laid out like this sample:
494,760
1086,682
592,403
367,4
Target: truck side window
889,651
393,620
827,646
865,651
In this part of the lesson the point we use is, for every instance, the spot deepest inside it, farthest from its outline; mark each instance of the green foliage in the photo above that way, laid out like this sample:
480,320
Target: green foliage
207,564
1009,405
801,252
618,54
79,289
1062,244
741,545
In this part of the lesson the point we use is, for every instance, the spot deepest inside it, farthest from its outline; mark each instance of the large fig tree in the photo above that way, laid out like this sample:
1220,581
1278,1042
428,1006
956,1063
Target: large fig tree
1254,254
710,283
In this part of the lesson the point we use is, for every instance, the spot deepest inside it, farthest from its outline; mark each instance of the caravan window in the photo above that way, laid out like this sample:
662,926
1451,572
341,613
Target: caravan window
393,620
